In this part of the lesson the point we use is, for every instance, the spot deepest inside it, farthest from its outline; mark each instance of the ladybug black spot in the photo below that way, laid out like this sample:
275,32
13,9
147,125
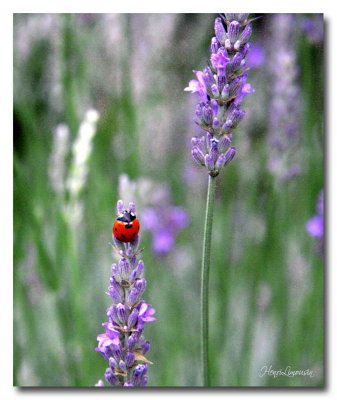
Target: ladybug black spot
133,234
115,229
123,235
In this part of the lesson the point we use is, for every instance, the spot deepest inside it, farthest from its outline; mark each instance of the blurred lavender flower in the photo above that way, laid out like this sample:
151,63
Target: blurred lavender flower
256,57
123,344
221,87
313,27
164,223
284,135
315,225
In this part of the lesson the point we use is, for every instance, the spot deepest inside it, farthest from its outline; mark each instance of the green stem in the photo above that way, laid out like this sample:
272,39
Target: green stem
204,278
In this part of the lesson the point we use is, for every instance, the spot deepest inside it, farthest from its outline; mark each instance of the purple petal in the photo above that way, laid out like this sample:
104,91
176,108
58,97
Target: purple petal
315,226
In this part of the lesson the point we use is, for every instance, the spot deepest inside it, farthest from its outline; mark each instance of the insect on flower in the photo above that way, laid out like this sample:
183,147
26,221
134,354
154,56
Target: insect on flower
126,227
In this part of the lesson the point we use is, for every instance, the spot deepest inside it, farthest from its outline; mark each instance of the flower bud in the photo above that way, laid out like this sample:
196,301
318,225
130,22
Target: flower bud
236,61
145,380
132,208
138,373
198,156
146,347
233,31
246,34
140,268
111,377
122,365
224,144
116,285
132,341
115,296
120,206
228,45
129,359
215,106
124,269
114,269
237,84
209,162
208,114
214,45
215,91
220,32
225,92
121,313
230,154
220,162
214,151
133,317
117,354
216,123
112,363
112,313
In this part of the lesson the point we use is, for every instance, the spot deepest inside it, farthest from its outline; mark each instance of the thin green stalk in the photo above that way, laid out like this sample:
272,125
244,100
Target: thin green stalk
205,278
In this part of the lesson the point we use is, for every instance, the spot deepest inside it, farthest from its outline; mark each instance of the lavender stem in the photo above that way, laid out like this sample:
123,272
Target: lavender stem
205,277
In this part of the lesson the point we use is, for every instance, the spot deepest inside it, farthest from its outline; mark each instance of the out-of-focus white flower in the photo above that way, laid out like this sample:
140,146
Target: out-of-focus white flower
81,151
56,168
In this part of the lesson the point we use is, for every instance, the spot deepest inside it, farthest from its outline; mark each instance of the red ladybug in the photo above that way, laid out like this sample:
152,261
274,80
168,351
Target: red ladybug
126,227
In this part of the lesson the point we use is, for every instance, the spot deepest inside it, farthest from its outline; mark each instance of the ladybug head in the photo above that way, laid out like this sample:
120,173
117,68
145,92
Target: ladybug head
126,216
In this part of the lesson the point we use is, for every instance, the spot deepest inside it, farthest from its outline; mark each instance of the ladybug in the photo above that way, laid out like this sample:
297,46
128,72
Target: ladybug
126,227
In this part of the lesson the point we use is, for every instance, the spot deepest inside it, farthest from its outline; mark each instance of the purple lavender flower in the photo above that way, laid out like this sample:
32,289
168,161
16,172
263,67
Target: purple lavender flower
123,344
284,133
315,225
164,222
222,87
313,27
108,340
256,56
215,153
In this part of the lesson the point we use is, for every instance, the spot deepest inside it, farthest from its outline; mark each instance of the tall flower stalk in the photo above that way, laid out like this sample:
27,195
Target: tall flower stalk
123,344
221,86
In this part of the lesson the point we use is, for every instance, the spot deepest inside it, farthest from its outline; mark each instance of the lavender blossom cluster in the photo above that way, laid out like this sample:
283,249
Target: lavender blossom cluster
284,130
123,344
164,221
222,86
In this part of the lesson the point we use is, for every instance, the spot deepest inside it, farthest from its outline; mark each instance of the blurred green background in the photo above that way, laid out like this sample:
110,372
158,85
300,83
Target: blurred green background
266,277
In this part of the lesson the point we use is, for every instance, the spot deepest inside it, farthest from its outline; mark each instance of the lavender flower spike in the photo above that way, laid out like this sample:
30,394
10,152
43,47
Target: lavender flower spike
222,87
123,344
